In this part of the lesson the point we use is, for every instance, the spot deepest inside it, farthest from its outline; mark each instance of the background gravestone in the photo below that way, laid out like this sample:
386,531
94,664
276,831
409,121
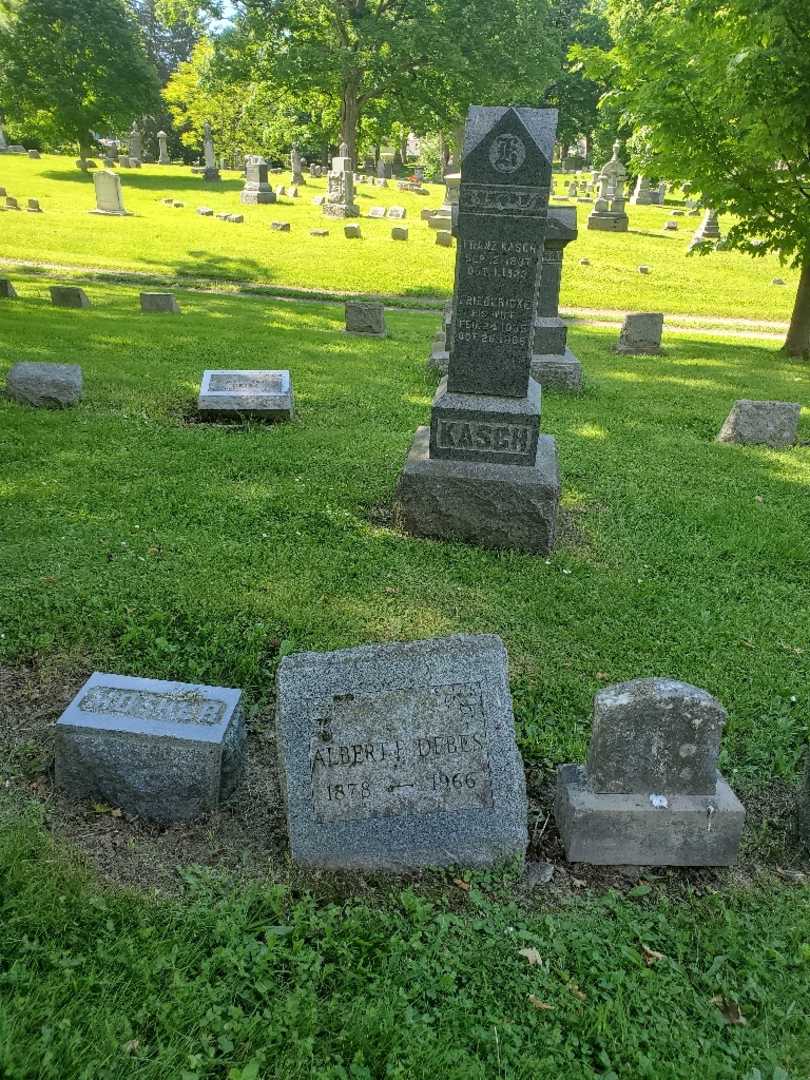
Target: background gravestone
45,385
365,318
69,296
766,423
159,303
165,751
257,190
109,198
650,793
641,334
260,394
399,756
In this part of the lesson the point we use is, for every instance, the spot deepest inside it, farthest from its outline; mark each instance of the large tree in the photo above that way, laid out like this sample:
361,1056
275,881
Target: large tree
79,62
720,91
417,62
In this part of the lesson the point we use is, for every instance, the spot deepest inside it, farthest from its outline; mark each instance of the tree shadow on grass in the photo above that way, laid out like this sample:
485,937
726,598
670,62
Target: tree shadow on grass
205,264
135,179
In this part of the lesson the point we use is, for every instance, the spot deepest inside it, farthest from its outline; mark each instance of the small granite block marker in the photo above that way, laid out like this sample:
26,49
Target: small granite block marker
159,303
641,334
205,211
50,386
444,238
7,290
318,232
365,318
394,757
259,394
280,226
69,296
34,207
650,793
352,232
397,212
377,212
399,233
480,472
11,203
766,423
165,751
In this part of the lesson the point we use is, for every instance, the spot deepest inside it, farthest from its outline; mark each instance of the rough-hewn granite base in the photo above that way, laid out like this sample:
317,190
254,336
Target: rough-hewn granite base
494,506
43,385
338,210
255,198
555,372
399,756
612,830
608,222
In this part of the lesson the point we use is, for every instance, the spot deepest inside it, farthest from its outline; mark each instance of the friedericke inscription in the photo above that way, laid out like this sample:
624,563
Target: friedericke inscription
401,752
182,708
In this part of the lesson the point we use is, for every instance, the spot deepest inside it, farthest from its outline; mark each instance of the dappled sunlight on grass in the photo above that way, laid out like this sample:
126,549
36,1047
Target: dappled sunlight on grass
591,431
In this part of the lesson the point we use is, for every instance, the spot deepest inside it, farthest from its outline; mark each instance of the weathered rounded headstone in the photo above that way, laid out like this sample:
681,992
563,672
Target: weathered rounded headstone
399,233
399,756
767,423
7,290
641,334
45,385
650,793
164,751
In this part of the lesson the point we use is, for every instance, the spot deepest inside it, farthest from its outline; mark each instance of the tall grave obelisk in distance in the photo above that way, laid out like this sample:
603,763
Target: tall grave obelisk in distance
482,472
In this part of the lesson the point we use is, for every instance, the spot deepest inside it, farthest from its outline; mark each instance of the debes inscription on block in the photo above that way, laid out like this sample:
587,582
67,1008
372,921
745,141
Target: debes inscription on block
400,756
401,752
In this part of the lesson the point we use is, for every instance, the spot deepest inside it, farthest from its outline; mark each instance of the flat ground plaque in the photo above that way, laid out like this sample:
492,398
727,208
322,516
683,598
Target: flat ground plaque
165,751
400,756
260,393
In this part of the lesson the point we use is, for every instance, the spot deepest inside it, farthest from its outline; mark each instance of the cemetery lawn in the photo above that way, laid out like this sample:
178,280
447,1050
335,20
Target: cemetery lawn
137,540
171,243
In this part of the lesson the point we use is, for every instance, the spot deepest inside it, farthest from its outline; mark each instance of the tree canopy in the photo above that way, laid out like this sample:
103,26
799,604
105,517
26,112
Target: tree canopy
719,94
71,67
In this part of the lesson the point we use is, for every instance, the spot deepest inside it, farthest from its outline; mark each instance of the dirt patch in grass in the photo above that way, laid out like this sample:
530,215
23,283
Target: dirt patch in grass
247,837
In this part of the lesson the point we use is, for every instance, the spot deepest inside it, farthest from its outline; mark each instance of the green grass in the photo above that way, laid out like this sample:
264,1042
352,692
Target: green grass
164,241
133,540
263,982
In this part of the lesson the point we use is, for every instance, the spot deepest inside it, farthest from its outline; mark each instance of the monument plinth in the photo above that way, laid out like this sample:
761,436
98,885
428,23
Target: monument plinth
482,473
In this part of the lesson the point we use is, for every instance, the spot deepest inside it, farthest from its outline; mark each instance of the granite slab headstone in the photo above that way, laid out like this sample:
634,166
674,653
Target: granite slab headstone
109,197
765,423
159,303
50,386
7,290
260,394
641,334
164,751
257,190
394,757
365,318
650,793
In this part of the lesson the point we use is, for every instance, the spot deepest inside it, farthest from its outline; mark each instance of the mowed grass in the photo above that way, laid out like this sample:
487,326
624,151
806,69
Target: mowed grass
133,539
178,243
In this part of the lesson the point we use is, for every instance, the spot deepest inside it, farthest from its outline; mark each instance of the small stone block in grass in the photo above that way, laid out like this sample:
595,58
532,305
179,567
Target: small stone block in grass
45,386
352,232
159,303
763,423
399,233
7,290
164,751
444,238
365,318
69,296
280,226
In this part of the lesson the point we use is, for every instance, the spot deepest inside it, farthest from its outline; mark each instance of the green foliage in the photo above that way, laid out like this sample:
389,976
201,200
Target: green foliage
259,982
69,67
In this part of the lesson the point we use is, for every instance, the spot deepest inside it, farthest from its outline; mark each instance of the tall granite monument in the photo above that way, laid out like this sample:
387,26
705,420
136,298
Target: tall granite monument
609,214
340,187
481,472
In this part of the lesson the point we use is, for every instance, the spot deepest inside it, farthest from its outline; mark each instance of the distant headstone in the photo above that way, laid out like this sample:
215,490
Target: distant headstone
365,318
671,226
109,198
641,334
352,232
163,154
377,212
397,212
650,793
643,195
486,412
235,219
256,189
34,207
159,303
296,167
444,238
340,187
11,203
554,365
69,296
7,290
163,751
135,144
33,155
50,386
644,269
280,190
177,204
708,232
318,232
292,192
280,226
399,233
766,423
205,211
259,394
609,214
394,757
318,200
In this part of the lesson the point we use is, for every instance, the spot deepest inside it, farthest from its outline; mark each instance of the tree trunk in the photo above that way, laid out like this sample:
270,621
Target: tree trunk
350,113
798,336
84,147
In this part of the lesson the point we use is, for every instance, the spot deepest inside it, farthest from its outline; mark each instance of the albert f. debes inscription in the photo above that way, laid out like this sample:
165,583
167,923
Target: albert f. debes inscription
401,752
396,756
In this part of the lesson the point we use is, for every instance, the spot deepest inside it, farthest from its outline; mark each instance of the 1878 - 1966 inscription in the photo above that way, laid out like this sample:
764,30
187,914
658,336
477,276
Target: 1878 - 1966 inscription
401,752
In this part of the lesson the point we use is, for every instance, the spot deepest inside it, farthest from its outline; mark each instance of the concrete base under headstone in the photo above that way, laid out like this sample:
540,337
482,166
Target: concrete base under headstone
608,222
338,210
614,830
253,198
557,372
494,506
